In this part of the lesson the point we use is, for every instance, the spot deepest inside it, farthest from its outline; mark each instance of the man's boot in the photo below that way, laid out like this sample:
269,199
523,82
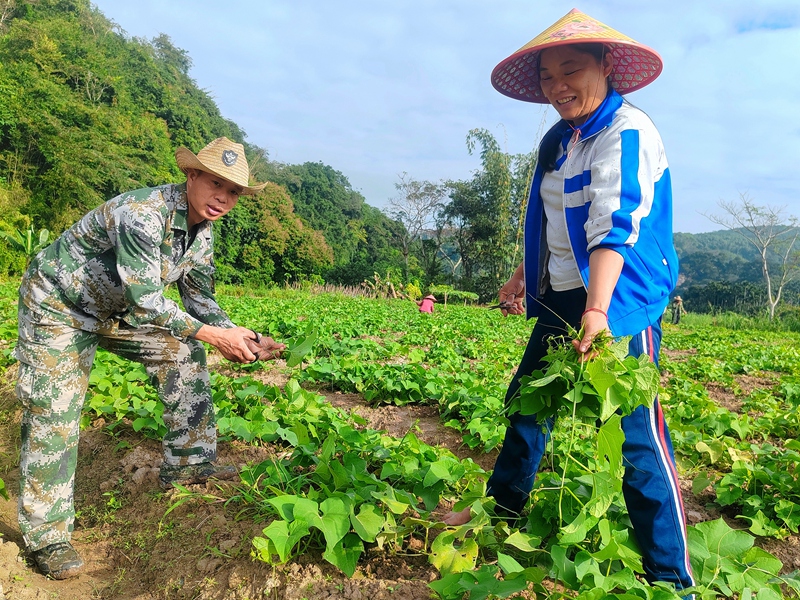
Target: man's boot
190,474
59,560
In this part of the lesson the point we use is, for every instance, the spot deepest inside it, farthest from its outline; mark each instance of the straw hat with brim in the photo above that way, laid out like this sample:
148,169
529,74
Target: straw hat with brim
430,297
222,158
635,65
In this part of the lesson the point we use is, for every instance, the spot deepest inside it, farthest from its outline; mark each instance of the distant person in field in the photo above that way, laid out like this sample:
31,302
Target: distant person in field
677,310
426,304
102,284
599,256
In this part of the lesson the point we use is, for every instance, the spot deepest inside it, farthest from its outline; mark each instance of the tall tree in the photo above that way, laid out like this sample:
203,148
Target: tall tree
484,213
377,251
774,235
415,206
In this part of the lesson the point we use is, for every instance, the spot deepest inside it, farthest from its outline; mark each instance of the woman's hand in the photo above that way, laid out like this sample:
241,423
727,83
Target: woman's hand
512,294
594,322
605,266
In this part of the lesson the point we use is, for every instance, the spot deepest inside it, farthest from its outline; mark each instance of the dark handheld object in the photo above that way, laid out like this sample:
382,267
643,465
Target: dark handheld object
257,340
502,305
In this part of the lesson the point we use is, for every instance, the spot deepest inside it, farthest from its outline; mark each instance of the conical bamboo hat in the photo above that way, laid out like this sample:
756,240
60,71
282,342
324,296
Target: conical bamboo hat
635,65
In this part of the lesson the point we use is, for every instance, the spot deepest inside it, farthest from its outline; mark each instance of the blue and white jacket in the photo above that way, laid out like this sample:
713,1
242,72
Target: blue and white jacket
617,195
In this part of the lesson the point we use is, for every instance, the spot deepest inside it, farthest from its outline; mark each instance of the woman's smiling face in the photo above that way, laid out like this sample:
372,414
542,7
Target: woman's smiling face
574,81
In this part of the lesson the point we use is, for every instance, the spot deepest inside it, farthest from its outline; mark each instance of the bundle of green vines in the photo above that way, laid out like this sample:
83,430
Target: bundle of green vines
609,383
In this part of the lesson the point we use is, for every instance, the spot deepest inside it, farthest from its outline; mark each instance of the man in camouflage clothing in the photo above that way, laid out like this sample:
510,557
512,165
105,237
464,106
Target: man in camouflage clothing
102,284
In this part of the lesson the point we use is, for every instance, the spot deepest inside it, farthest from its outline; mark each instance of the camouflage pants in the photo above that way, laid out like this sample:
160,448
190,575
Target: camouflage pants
55,362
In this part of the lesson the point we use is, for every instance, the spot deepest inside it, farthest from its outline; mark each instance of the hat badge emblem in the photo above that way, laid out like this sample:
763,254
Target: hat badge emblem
229,157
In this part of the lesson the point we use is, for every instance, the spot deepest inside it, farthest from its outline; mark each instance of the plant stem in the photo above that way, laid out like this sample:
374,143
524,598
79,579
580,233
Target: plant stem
564,472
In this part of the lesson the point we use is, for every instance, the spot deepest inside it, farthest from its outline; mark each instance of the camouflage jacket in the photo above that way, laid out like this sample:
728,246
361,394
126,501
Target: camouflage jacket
112,266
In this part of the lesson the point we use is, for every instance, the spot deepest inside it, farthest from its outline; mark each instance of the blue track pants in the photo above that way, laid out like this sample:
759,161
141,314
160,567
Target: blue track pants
650,485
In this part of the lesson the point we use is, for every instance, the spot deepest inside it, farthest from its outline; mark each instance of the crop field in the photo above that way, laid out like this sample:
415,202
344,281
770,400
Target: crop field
332,499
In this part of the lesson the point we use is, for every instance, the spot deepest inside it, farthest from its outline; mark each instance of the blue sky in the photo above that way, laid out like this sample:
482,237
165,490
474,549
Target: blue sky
375,89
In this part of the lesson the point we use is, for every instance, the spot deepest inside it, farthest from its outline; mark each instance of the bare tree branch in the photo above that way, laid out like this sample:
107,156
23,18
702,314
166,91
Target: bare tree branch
6,9
415,207
772,233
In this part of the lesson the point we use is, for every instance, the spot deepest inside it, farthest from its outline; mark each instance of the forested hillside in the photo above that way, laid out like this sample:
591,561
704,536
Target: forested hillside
87,112
722,270
717,256
363,239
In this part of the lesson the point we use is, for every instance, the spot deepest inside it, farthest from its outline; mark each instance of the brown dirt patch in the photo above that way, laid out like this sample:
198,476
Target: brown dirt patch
697,508
732,397
199,551
724,396
678,354
787,551
749,383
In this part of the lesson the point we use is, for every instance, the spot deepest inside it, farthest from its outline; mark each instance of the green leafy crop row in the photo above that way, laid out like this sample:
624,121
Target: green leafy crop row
337,487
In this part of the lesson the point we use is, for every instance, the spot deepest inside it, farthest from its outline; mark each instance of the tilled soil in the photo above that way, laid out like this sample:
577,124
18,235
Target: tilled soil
140,543
200,550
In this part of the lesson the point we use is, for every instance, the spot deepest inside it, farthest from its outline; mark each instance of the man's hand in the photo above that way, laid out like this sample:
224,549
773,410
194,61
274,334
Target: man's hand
264,347
233,343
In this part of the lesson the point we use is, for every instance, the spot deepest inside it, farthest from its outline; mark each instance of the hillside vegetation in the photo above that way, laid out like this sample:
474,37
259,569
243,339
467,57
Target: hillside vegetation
88,112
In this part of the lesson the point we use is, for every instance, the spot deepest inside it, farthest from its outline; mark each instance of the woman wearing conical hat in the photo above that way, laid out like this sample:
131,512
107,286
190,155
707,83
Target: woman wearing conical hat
101,283
426,304
598,255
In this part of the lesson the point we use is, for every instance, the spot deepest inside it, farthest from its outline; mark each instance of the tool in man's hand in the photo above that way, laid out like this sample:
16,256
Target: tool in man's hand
262,341
257,340
502,305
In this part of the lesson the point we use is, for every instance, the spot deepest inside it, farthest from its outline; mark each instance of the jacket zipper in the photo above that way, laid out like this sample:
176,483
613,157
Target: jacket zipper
564,199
